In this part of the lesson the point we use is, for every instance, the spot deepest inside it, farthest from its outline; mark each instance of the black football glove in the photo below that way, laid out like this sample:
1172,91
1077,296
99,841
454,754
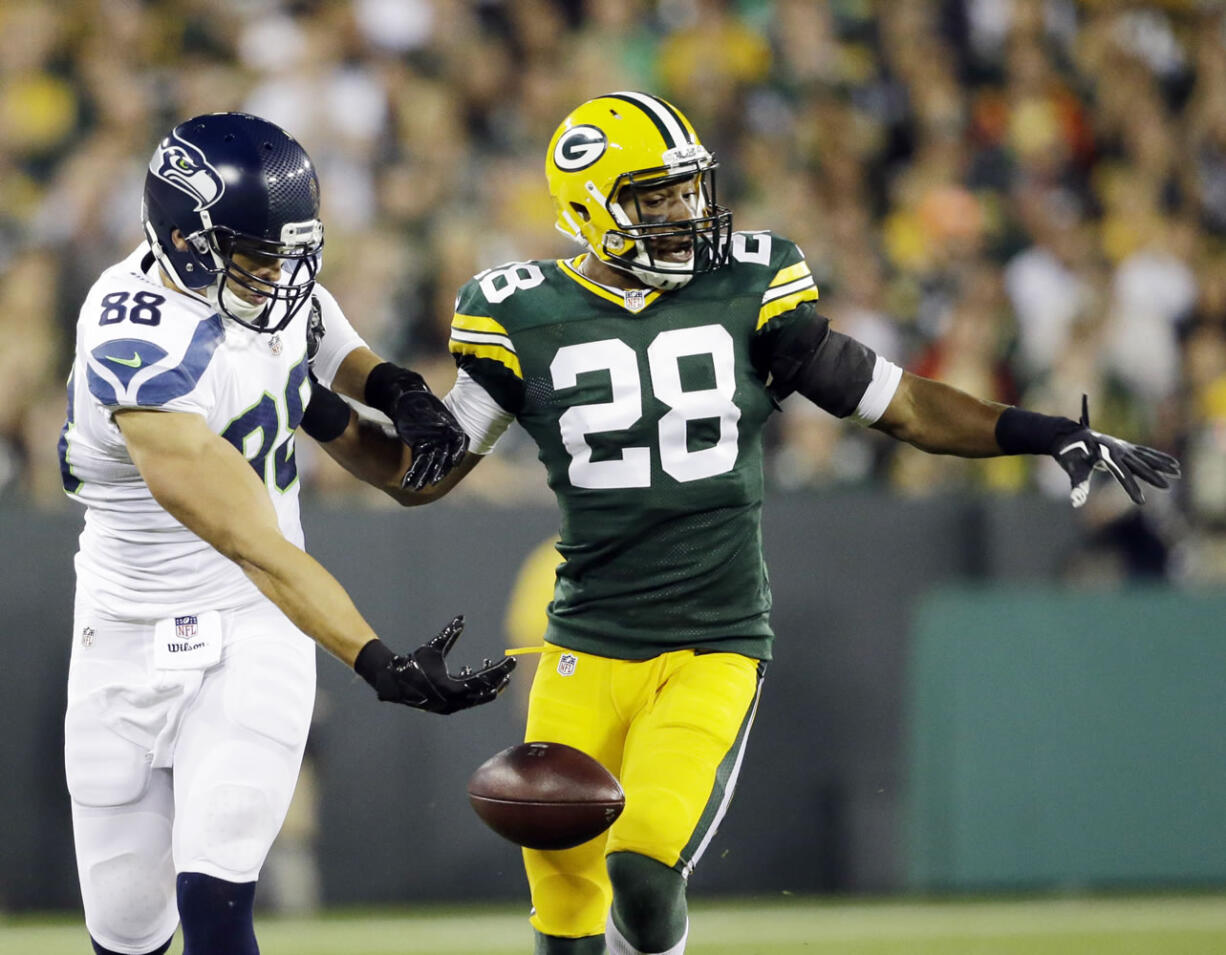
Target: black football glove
315,329
425,424
422,422
1085,451
421,679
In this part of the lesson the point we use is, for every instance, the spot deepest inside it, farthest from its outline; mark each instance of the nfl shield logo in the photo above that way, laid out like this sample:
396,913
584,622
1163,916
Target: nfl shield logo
635,299
566,664
185,627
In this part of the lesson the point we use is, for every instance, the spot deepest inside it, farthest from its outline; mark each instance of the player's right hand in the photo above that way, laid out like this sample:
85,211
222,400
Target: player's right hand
426,425
1085,451
421,679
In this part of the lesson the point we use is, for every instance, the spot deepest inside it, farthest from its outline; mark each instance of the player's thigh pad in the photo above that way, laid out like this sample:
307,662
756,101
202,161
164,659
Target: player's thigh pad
122,808
112,718
574,701
239,752
682,757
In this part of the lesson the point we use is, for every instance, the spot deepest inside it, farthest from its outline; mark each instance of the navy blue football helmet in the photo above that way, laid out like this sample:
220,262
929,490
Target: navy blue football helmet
234,184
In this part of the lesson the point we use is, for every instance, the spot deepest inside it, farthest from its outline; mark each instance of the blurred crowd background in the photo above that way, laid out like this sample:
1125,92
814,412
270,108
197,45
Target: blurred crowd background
1024,198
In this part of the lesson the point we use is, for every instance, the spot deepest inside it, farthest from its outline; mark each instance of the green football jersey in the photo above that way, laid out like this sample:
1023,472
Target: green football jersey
648,410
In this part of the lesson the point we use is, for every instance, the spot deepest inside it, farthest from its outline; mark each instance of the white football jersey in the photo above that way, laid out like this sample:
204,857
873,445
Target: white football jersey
141,344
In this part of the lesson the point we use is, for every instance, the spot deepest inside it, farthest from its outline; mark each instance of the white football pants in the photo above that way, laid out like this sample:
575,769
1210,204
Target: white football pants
181,770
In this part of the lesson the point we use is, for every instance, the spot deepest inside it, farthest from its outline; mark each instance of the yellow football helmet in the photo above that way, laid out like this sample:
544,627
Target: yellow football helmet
604,154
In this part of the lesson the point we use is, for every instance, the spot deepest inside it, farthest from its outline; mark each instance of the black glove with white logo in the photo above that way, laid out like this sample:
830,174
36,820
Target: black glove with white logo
421,679
422,422
1085,451
1081,451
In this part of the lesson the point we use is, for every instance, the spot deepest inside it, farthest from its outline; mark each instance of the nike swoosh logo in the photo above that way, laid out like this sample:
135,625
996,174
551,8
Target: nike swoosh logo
133,362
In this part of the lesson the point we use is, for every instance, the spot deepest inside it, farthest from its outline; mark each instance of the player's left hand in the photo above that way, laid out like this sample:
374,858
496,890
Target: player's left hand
421,679
315,329
425,424
1085,451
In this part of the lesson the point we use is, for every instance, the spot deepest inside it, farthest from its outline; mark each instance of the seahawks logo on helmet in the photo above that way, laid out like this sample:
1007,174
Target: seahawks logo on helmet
579,147
182,165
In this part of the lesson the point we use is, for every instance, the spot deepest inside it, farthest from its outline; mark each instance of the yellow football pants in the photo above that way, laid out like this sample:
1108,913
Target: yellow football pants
673,730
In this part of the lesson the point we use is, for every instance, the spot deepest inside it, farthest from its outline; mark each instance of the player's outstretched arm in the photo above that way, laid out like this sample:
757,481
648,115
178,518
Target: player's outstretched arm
420,418
938,418
203,482
367,452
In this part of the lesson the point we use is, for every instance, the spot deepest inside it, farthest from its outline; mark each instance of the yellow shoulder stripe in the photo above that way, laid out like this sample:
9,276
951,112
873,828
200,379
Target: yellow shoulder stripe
499,353
476,323
791,273
785,304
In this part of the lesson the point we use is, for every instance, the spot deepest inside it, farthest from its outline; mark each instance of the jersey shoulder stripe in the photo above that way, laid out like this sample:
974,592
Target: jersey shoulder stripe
784,299
789,274
791,281
479,336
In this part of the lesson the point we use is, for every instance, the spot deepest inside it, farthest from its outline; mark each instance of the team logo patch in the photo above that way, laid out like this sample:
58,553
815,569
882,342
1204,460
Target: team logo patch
567,663
186,627
183,165
579,147
124,357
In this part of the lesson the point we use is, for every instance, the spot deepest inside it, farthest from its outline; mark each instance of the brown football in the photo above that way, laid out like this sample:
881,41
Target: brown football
545,795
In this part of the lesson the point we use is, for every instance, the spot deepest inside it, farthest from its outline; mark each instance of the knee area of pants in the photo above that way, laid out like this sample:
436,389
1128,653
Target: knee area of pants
644,884
238,826
657,824
132,905
570,905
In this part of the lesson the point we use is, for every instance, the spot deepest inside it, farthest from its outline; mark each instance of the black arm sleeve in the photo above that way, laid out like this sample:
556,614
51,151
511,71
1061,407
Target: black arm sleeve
326,416
387,383
829,368
1026,432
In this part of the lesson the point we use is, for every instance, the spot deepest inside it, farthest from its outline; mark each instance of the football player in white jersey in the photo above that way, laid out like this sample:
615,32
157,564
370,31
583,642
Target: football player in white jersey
192,677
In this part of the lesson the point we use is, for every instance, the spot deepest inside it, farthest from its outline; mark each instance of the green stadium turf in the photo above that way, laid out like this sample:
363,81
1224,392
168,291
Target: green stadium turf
1152,925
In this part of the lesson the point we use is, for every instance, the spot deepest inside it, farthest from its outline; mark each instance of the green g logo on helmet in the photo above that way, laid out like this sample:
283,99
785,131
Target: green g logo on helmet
579,147
610,149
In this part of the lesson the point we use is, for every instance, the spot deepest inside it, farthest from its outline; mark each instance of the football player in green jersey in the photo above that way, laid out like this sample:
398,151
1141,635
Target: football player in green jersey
645,368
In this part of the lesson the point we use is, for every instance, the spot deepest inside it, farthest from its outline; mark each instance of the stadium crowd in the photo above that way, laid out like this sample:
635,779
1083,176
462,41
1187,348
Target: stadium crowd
1025,198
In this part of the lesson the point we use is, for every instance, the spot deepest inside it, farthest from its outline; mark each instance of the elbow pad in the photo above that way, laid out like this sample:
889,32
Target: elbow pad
829,368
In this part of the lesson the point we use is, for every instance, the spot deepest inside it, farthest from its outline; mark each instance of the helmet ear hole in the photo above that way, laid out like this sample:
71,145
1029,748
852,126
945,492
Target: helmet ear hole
581,211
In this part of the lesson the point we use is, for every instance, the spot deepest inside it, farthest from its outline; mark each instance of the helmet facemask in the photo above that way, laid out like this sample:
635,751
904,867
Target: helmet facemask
297,256
640,246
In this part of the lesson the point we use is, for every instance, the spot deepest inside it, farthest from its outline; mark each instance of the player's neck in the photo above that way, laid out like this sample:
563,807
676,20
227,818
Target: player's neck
168,281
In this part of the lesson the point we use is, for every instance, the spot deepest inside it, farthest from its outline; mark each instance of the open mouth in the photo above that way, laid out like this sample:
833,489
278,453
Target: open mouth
675,251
